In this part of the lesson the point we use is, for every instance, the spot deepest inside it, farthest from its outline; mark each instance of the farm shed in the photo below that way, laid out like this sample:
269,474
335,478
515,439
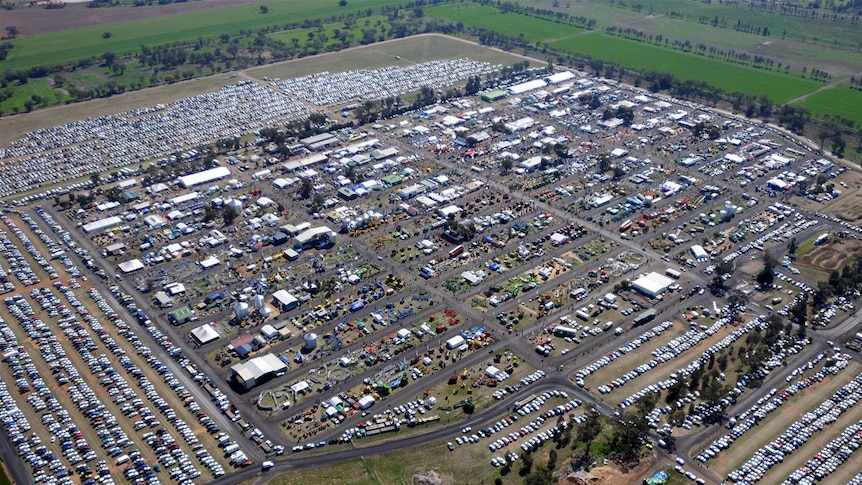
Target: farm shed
257,370
365,402
455,342
180,315
284,301
699,253
493,95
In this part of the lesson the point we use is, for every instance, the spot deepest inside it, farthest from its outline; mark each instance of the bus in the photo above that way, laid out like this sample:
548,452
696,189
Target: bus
456,251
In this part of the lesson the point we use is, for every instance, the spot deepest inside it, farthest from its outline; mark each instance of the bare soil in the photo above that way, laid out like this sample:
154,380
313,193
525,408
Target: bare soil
832,255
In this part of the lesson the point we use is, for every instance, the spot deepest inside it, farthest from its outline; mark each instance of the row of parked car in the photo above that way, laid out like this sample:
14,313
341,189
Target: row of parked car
75,448
830,457
614,355
772,401
726,341
798,433
150,390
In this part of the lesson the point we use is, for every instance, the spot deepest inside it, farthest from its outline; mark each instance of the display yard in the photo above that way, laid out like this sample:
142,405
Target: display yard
493,276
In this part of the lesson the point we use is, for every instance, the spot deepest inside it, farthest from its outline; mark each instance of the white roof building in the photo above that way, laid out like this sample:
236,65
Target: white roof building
204,334
248,374
206,176
699,253
131,266
527,86
102,224
652,284
559,77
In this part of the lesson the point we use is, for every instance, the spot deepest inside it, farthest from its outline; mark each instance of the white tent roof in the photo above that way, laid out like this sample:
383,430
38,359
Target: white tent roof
205,334
652,284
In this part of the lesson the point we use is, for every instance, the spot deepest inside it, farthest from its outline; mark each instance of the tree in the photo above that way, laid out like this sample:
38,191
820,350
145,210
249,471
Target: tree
342,3
95,178
590,428
506,165
630,431
109,58
228,215
766,277
526,464
264,9
305,188
792,246
107,35
12,31
552,460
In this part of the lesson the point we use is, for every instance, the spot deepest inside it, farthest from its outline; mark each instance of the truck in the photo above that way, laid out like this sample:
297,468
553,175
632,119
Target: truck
645,316
821,239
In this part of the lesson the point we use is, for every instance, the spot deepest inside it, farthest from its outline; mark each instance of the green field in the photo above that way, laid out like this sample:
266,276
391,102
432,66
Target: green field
514,25
630,54
841,101
730,77
64,47
35,87
302,35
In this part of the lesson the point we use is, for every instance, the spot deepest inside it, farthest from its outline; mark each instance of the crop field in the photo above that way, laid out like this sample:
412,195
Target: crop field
841,101
532,29
62,47
824,31
780,87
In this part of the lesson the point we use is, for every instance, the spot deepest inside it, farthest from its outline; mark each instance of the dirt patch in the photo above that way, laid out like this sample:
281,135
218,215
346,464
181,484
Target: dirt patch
751,267
610,474
832,255
35,21
430,477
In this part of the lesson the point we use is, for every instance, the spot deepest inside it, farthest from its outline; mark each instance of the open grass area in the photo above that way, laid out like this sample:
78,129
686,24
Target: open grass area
631,54
514,25
730,77
37,91
841,101
63,47
398,468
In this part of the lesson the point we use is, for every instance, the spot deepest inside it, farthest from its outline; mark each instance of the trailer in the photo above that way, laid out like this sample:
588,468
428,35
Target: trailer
673,273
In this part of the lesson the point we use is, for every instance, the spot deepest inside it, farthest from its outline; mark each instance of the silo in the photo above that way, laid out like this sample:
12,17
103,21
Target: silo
258,301
240,310
309,341
264,312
